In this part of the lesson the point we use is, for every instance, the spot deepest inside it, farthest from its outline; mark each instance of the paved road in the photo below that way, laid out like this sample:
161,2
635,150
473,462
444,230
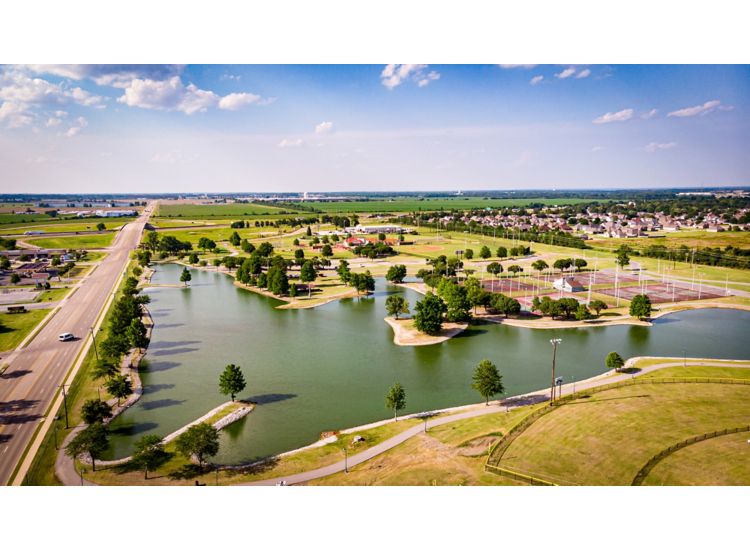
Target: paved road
31,382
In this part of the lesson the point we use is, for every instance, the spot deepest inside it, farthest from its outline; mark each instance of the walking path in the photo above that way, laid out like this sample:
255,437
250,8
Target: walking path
67,474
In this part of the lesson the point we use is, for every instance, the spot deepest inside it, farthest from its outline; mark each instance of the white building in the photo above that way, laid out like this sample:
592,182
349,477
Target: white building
115,213
568,284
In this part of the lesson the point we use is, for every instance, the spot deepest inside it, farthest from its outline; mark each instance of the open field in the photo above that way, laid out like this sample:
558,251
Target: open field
606,438
412,204
15,326
223,211
76,242
71,224
722,460
678,238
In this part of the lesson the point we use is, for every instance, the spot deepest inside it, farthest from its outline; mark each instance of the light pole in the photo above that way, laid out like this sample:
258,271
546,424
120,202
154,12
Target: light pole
346,461
65,405
93,339
555,342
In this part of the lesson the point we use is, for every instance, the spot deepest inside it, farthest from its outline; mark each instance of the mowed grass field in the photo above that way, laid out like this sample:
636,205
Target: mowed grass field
75,242
15,326
690,239
412,205
64,226
606,438
221,211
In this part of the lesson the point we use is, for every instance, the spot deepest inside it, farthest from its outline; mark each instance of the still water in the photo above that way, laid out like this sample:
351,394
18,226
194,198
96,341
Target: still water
330,367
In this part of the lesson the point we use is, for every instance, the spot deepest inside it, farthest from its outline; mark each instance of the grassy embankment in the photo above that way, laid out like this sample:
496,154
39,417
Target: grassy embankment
14,327
217,211
73,242
82,388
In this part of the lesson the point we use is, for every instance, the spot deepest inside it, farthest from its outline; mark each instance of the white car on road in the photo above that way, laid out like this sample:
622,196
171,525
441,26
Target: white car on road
66,336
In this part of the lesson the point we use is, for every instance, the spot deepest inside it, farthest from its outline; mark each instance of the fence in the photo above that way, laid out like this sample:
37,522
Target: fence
498,450
661,455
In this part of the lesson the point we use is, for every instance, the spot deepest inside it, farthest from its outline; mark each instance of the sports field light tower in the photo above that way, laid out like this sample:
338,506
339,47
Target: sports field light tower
555,342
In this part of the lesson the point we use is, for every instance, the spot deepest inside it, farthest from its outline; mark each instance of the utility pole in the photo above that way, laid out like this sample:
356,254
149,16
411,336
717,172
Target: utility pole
555,342
65,405
93,339
346,461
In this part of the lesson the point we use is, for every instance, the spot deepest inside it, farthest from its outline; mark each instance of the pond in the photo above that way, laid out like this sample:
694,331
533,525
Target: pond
330,367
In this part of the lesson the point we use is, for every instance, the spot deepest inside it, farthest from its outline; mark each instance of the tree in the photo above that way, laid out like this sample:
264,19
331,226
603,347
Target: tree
502,252
15,278
231,381
152,241
149,453
456,300
344,271
640,306
100,226
539,265
582,313
308,232
95,410
396,305
494,268
104,369
597,306
93,440
506,305
308,274
562,264
204,243
395,399
247,246
515,269
234,239
119,387
487,380
295,242
200,440
567,306
396,273
265,249
429,311
485,253
580,263
277,281
468,253
622,259
474,292
327,251
614,361
299,254
185,276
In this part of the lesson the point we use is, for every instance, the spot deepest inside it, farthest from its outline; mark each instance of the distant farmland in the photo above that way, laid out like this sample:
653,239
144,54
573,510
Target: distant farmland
218,211
411,205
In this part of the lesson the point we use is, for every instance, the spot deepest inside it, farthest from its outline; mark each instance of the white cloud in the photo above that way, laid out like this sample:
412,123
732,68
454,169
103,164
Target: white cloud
519,66
536,80
14,115
570,71
649,114
291,142
117,76
234,101
173,95
429,77
704,109
584,73
653,146
596,148
20,88
324,127
619,116
52,121
79,124
169,157
394,74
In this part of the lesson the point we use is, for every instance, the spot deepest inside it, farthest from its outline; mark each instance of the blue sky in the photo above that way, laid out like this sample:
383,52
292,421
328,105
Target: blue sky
157,128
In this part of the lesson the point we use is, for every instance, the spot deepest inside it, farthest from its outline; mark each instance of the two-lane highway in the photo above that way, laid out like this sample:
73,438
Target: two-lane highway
32,380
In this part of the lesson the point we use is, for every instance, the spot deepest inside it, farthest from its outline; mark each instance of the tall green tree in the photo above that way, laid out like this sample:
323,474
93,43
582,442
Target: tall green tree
149,453
484,252
474,292
308,274
429,311
95,410
118,387
231,381
235,239
136,334
487,380
185,276
396,273
614,361
396,305
93,440
597,306
539,265
200,440
640,306
396,399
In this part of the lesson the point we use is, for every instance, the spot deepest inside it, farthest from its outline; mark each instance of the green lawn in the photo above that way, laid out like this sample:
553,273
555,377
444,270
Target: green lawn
76,242
606,438
695,371
16,326
71,224
53,294
224,211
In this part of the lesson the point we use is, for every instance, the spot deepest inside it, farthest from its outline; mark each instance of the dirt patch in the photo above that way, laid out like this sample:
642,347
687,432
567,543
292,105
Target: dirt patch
479,446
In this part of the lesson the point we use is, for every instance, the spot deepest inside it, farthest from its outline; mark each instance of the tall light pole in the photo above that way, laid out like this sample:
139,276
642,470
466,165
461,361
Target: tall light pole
93,340
555,342
65,405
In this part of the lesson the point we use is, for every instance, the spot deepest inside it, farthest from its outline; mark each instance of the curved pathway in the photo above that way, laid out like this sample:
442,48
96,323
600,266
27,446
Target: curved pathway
69,476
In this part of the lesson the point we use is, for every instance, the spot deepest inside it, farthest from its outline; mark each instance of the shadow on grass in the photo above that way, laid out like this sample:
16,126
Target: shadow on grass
188,471
606,399
630,370
257,468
